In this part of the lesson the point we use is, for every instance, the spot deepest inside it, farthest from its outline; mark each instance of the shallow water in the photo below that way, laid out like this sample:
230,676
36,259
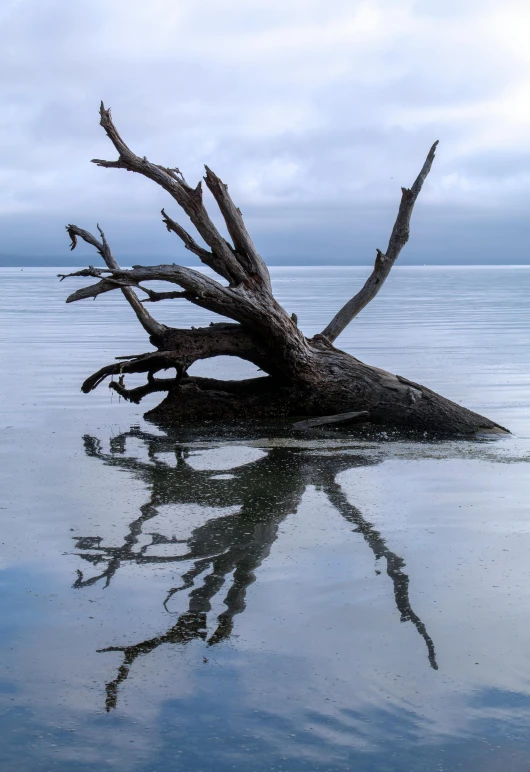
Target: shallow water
182,602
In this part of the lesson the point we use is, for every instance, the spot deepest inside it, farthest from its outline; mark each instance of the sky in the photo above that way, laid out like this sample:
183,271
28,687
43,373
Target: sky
315,112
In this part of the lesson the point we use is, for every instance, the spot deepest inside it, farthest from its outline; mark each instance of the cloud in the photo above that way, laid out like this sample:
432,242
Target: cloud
318,106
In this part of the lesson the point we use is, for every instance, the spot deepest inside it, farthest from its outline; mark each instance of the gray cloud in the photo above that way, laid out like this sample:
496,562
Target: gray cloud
315,114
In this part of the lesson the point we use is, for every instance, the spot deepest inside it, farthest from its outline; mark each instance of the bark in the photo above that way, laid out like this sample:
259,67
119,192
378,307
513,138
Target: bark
304,377
383,262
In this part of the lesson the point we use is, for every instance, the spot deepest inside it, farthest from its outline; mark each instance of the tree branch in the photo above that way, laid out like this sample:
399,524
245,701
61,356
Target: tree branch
383,262
245,249
259,312
149,324
184,347
195,283
327,420
153,385
151,362
155,297
223,259
189,242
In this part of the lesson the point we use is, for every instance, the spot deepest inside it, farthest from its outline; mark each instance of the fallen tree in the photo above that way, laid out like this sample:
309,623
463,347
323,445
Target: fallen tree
304,377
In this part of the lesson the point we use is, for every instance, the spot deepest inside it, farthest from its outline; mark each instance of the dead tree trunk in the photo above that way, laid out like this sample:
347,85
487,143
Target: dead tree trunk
304,376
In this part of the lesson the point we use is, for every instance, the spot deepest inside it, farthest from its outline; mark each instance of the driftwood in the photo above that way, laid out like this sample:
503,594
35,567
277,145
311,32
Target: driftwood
332,420
303,377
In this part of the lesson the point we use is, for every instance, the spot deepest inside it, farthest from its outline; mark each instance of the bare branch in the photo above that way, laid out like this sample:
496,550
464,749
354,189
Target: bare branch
90,271
326,420
223,260
184,347
245,249
155,297
192,281
383,262
149,324
137,394
189,242
94,290
150,362
257,311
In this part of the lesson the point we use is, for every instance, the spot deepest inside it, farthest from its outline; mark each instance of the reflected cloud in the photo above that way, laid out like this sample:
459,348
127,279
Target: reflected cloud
227,549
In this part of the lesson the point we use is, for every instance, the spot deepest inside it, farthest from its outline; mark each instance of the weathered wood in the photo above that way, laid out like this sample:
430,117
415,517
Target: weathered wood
137,394
303,376
391,404
328,420
245,249
149,324
181,348
223,261
189,242
383,261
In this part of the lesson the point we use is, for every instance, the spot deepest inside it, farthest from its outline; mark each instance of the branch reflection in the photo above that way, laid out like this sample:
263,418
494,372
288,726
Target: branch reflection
228,548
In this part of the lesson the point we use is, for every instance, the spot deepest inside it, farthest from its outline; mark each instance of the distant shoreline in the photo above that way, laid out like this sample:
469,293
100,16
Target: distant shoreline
279,266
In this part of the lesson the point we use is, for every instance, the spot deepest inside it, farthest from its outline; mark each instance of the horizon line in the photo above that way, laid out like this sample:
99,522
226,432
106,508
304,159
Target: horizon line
296,265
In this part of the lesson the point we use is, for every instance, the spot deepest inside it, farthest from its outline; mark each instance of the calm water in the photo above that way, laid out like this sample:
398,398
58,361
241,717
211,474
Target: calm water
174,602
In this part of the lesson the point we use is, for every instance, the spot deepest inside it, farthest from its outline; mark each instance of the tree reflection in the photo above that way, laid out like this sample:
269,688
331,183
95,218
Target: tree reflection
228,548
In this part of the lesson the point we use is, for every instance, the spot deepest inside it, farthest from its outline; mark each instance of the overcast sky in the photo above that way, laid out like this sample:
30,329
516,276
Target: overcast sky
315,112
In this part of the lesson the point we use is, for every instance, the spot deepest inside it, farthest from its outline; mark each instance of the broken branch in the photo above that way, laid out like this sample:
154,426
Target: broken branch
149,324
328,420
383,261
245,249
223,260
189,242
137,394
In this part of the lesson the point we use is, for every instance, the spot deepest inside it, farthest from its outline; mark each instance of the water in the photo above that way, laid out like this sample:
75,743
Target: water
173,602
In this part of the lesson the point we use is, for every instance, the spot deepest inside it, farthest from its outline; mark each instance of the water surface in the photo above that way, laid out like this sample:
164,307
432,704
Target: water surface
173,601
